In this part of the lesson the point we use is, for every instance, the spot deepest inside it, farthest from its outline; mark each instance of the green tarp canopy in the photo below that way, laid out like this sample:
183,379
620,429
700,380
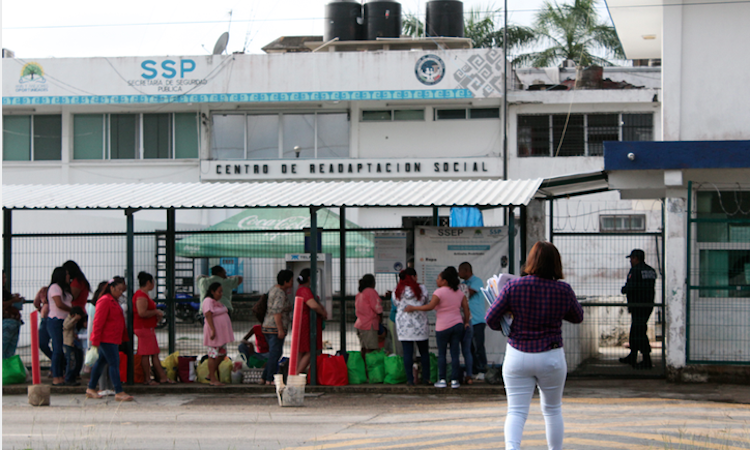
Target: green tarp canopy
273,244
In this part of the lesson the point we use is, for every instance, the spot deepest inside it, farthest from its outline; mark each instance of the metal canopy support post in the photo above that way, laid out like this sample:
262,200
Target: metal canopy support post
170,277
8,247
511,241
342,275
524,230
314,289
551,221
130,279
435,216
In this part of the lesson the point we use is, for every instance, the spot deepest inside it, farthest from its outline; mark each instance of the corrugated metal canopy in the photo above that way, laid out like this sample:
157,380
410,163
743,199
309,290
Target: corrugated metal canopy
482,193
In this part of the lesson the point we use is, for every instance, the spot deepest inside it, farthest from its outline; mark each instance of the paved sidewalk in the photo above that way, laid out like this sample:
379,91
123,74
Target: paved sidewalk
575,387
599,414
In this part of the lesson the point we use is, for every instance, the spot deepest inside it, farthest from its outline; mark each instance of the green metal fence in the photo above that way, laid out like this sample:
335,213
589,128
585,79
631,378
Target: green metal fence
718,266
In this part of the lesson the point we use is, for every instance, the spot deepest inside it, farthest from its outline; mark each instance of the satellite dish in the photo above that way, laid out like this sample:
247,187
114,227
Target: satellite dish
221,43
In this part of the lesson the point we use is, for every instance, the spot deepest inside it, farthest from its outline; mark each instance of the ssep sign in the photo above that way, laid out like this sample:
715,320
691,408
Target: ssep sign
168,67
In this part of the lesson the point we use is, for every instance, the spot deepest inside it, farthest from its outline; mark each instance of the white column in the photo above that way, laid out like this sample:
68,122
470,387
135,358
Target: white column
354,130
67,144
675,277
672,72
536,223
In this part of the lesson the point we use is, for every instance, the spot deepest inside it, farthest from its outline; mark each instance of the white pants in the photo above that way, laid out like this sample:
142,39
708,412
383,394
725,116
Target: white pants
521,373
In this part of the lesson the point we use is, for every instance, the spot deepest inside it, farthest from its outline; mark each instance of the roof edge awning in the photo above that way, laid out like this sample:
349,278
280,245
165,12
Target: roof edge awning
573,185
285,194
296,194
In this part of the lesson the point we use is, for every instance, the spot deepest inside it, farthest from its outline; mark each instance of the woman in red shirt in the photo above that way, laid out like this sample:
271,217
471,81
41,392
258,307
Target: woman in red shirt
305,292
79,285
108,332
145,318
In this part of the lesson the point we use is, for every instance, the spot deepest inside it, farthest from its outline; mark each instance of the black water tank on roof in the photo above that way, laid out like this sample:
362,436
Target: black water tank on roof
382,19
343,20
445,18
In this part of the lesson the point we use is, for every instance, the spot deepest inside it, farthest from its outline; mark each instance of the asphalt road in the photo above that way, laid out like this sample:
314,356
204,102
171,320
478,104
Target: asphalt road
383,421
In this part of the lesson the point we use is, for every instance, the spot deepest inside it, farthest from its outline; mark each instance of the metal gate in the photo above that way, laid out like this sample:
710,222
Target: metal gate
595,266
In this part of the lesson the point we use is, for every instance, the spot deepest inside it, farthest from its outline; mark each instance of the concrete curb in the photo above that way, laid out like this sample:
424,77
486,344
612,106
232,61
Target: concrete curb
197,388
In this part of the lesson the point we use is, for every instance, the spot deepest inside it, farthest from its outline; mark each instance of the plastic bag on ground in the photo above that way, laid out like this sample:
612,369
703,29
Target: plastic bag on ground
14,371
225,371
395,373
356,368
375,366
332,370
170,365
433,368
202,372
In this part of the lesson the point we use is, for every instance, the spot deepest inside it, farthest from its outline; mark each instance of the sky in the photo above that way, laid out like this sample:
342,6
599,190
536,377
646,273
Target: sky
89,28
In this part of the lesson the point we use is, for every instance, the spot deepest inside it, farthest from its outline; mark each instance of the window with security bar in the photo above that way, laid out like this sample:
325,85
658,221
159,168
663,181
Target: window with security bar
622,223
723,243
579,134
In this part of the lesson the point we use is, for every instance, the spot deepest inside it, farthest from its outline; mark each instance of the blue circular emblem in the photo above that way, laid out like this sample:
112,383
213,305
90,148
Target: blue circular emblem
397,267
430,69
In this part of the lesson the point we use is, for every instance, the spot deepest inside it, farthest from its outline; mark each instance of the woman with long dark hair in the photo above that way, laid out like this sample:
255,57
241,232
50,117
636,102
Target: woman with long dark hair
145,318
534,355
79,285
108,332
447,301
60,301
412,327
311,302
368,307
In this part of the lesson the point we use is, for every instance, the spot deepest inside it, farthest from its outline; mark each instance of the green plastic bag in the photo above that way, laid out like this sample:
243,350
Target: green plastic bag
433,368
375,366
13,370
395,373
356,368
254,362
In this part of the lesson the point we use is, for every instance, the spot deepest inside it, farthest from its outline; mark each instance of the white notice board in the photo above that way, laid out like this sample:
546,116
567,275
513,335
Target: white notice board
390,251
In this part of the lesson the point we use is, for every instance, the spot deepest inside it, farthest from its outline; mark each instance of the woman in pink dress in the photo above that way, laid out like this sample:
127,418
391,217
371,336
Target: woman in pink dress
217,331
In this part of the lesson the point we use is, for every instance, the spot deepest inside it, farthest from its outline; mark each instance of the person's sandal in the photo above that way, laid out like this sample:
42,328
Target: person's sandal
123,397
93,394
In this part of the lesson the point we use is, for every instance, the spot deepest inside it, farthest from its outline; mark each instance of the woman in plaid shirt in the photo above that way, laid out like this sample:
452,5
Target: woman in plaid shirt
534,355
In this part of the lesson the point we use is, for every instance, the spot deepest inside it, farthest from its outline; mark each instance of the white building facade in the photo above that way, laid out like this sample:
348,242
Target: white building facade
434,114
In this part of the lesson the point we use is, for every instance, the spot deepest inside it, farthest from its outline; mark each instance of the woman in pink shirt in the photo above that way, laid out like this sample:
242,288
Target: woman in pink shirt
447,302
369,310
60,301
217,331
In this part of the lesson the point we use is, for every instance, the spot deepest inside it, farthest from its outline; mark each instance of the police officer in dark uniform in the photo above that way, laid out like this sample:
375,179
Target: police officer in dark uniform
639,289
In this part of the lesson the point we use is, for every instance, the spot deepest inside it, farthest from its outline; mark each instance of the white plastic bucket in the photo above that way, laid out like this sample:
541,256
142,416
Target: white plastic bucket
293,393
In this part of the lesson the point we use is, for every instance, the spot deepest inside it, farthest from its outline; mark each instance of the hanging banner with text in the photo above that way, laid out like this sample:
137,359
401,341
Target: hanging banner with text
390,251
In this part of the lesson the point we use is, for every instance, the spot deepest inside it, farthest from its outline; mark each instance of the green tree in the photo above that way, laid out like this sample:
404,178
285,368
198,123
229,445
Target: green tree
480,26
572,31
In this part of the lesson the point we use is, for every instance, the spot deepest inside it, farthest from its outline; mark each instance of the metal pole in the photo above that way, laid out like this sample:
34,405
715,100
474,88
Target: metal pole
505,92
511,240
551,221
524,230
342,274
170,277
129,276
663,289
314,288
8,247
435,217
688,278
